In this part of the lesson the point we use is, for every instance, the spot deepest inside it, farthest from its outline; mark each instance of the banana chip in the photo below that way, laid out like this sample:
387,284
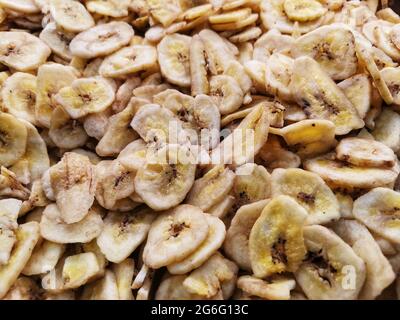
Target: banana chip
79,269
171,288
9,209
331,270
276,241
111,8
390,76
57,41
387,129
105,288
174,235
25,6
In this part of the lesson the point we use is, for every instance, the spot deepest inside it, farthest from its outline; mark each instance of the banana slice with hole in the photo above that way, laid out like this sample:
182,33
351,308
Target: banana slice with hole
71,15
22,51
348,176
358,89
378,210
109,8
13,139
174,235
53,229
276,241
310,191
252,183
207,280
387,129
236,245
379,272
50,79
124,272
57,40
214,240
211,188
18,95
173,57
331,270
27,236
333,47
276,289
85,96
321,98
368,153
129,60
73,181
123,233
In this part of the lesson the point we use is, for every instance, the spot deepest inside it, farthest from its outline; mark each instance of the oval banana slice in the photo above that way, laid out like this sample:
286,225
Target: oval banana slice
333,47
211,188
378,210
303,10
57,41
278,72
236,245
85,96
331,271
174,235
79,269
276,241
51,78
226,93
110,8
71,15
368,153
310,191
343,174
84,231
379,272
173,57
277,289
123,233
22,51
18,95
13,139
24,6
129,60
271,42
214,240
321,98
73,182
27,236
101,40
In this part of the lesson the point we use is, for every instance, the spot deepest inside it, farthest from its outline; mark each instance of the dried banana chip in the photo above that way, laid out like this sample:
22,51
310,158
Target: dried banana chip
111,8
57,40
387,129
271,42
124,272
105,288
24,6
79,269
391,77
171,288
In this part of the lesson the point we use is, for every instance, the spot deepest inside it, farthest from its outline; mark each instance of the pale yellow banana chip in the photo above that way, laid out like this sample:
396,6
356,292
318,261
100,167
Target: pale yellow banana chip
10,186
164,11
387,129
391,77
79,269
57,40
303,10
231,16
271,42
171,288
24,6
111,8
105,288
124,273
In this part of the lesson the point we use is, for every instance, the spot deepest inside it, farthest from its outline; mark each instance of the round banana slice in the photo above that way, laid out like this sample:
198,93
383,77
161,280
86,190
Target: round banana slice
84,231
74,183
114,182
236,245
133,157
276,241
13,139
23,6
101,40
207,280
71,15
175,235
391,77
378,210
85,96
358,89
123,233
382,33
211,188
379,272
252,183
368,153
56,40
303,10
331,270
129,60
110,8
214,240
226,93
50,79
278,74
387,129
277,289
310,191
320,97
333,47
271,42
173,57
22,51
166,178
346,175
65,132
18,95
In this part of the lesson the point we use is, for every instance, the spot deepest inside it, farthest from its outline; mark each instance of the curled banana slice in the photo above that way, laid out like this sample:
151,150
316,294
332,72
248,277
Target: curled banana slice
276,241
